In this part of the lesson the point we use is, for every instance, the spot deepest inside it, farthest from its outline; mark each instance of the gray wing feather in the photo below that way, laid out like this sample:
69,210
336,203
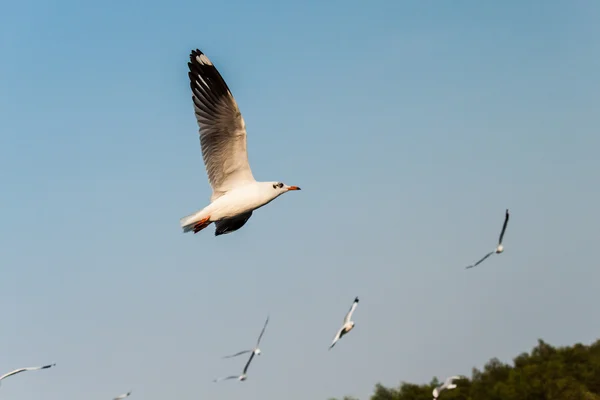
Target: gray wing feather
222,128
229,225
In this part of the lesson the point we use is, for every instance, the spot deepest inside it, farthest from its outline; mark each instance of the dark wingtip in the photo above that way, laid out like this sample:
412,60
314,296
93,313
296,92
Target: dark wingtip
195,53
356,299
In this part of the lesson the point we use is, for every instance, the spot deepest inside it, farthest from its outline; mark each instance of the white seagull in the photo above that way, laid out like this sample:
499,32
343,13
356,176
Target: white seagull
448,384
16,371
498,249
241,377
223,141
122,396
347,325
255,350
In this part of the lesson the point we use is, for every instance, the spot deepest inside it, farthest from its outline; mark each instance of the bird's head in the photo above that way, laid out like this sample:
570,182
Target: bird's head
243,377
499,249
280,187
352,324
257,351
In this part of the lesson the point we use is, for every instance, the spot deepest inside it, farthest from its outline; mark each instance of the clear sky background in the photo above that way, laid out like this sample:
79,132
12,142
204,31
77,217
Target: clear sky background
410,126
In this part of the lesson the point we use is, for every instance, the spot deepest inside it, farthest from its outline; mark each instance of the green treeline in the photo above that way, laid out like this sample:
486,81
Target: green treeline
547,373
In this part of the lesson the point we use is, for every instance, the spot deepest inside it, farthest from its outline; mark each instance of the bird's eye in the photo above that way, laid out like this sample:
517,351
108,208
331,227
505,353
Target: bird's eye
280,185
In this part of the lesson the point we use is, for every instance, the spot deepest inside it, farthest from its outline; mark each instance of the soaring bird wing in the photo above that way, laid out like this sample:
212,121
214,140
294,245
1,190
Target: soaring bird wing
228,377
480,261
453,378
262,332
337,337
222,128
122,396
248,363
238,354
16,371
231,224
352,308
503,228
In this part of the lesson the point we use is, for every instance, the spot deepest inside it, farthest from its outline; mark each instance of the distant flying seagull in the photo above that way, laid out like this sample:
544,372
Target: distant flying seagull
256,350
241,377
347,326
16,371
448,384
223,141
498,249
122,396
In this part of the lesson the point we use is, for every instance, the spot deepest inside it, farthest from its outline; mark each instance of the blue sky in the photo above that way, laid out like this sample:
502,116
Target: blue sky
410,127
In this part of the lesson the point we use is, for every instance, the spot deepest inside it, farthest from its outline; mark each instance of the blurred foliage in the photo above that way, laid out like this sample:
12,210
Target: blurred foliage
547,373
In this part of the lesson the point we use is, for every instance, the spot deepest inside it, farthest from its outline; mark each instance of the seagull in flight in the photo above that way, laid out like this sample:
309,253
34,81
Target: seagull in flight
255,350
448,384
122,396
500,248
347,325
241,377
235,192
16,371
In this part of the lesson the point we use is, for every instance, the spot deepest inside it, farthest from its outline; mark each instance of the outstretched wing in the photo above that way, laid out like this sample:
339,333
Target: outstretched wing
222,128
248,363
11,373
480,261
224,379
503,227
231,224
352,308
122,396
262,332
337,337
238,354
16,371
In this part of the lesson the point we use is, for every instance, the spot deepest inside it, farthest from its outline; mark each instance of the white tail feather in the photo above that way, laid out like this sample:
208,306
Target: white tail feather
188,222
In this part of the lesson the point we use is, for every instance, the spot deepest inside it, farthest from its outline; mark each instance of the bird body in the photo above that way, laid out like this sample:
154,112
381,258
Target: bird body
241,377
240,200
236,194
499,248
256,350
347,325
448,384
122,396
